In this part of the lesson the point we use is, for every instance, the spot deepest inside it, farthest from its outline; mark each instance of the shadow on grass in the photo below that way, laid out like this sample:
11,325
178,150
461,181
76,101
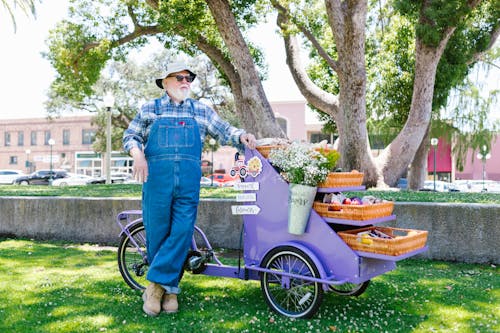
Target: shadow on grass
57,287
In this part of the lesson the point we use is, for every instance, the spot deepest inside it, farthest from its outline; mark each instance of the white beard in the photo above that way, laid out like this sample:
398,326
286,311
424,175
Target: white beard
178,95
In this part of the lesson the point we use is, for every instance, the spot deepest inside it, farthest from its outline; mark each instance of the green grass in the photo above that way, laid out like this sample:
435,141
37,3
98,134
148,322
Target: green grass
134,190
58,287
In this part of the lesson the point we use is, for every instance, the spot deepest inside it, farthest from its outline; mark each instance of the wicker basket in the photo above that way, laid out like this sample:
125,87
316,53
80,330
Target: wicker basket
342,179
404,241
265,150
354,212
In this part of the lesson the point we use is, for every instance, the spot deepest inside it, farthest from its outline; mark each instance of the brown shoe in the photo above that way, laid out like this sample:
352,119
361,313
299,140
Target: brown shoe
169,303
152,299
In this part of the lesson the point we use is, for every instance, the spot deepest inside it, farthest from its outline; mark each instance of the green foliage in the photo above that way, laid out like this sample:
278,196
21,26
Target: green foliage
135,190
76,71
332,156
390,70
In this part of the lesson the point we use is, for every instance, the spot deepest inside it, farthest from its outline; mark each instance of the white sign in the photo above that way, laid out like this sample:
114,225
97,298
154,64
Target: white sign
246,197
245,210
247,186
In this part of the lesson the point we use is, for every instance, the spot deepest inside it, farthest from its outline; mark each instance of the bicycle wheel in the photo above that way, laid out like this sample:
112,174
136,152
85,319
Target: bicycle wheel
350,289
290,296
132,258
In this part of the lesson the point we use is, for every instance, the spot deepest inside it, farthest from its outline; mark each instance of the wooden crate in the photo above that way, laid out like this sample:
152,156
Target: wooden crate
354,212
342,179
404,241
265,150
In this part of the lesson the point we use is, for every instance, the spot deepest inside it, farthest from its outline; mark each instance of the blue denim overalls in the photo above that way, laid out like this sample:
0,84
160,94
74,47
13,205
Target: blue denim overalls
171,194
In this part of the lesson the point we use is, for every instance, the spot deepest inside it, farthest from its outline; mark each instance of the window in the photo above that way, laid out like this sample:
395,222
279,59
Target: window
46,138
66,136
13,160
88,136
33,138
318,137
283,124
20,138
7,138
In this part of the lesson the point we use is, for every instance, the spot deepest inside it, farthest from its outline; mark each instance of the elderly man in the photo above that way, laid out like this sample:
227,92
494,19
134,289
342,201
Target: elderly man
165,140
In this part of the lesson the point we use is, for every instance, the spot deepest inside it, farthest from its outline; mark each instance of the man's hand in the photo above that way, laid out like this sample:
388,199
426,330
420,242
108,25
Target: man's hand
248,140
140,167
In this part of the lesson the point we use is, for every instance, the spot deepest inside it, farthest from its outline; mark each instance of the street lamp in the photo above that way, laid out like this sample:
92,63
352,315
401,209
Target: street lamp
28,165
483,155
212,143
434,143
109,101
51,144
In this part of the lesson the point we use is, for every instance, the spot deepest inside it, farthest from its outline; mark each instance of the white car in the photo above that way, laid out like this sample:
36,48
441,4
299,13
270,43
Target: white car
207,182
122,178
477,185
441,186
8,176
73,179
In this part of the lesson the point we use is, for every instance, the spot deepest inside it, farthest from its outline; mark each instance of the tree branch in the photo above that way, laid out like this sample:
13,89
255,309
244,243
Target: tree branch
323,101
479,55
308,34
218,58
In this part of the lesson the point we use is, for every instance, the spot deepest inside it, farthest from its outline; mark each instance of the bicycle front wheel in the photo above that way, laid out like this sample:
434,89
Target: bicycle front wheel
132,257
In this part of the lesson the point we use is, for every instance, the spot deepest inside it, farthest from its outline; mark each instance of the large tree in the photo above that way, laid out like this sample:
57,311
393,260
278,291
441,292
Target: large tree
340,41
99,30
79,49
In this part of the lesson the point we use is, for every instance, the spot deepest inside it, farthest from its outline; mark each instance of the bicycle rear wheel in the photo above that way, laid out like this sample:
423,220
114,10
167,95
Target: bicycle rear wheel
132,257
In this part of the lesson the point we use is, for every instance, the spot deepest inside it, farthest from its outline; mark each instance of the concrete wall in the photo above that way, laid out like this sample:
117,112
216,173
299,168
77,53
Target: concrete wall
457,232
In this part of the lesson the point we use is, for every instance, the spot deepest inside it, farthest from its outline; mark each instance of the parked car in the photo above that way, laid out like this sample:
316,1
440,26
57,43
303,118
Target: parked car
122,178
222,177
76,179
41,177
207,182
8,176
441,186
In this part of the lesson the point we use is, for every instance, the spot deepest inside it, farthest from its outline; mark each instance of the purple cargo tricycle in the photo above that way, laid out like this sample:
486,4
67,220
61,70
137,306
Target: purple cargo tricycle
294,270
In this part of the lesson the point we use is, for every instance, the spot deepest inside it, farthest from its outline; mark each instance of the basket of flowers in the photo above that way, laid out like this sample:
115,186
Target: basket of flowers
303,168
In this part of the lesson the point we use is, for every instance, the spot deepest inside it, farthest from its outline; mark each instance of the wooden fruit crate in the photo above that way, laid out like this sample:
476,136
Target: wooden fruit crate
342,179
404,241
354,212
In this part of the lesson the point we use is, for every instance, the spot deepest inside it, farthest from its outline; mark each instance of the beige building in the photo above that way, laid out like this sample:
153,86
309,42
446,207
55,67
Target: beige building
24,143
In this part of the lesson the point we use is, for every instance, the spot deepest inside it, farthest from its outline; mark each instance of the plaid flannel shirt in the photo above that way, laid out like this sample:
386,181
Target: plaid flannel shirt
208,121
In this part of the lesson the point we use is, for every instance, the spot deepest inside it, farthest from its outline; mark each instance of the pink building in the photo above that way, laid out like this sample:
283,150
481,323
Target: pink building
473,166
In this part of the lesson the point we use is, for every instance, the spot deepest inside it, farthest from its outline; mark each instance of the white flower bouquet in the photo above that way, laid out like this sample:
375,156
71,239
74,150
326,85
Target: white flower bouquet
300,164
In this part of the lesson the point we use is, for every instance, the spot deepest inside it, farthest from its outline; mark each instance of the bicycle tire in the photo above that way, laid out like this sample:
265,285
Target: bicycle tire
291,297
350,289
132,264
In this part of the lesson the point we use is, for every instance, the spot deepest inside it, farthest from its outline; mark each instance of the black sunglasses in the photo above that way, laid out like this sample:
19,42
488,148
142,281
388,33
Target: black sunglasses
189,78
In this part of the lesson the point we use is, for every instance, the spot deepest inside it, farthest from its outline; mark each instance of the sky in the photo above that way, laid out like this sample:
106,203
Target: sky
26,75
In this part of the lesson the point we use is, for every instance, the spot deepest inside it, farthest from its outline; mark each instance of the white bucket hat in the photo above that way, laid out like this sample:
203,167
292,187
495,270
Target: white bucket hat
174,67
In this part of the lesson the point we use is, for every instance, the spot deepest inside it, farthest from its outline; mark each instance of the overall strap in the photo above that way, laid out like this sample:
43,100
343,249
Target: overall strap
158,106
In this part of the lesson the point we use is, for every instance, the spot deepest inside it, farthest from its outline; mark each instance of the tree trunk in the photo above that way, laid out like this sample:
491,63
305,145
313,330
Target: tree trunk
253,108
418,168
401,152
